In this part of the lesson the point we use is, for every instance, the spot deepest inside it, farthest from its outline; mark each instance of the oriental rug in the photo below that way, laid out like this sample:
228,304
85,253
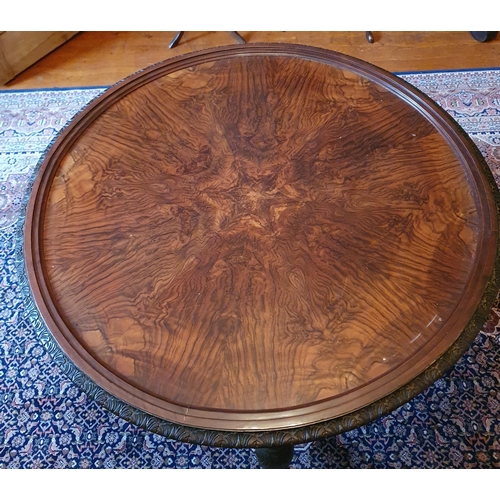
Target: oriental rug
48,422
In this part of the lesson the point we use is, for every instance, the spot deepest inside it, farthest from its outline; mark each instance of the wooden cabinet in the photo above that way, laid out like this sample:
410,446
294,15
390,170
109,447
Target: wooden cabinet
21,49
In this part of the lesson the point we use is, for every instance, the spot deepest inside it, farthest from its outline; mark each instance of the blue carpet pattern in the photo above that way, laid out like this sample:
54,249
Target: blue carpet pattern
47,422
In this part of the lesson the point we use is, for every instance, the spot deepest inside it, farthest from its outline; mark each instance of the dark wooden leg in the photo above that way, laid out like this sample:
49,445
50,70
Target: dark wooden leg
483,36
176,39
237,36
278,457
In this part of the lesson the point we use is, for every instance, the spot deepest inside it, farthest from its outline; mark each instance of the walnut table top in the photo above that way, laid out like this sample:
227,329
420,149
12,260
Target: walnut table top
260,244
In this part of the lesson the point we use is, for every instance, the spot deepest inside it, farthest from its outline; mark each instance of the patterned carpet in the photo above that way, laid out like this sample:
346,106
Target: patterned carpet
47,422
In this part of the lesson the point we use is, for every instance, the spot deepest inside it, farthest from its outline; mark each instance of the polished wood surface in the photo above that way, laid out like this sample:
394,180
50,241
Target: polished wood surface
21,49
259,237
105,57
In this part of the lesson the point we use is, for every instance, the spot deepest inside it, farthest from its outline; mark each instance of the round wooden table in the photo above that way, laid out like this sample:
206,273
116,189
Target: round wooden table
260,245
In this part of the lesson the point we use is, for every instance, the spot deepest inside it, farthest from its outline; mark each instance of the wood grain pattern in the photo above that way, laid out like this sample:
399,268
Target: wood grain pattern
263,234
105,57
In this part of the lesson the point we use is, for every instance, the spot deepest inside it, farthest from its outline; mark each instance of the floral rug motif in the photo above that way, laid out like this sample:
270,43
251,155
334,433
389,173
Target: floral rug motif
47,422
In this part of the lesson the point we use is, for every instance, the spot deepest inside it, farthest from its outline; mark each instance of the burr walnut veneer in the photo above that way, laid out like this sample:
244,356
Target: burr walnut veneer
262,244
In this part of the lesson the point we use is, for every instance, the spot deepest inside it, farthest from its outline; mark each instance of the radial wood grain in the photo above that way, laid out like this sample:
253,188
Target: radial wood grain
259,234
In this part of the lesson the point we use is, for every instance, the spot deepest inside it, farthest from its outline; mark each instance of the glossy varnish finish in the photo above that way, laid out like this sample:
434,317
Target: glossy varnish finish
104,57
259,237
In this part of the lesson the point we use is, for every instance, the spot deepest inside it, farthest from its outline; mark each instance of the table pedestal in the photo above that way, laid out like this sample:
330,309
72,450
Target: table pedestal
278,457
